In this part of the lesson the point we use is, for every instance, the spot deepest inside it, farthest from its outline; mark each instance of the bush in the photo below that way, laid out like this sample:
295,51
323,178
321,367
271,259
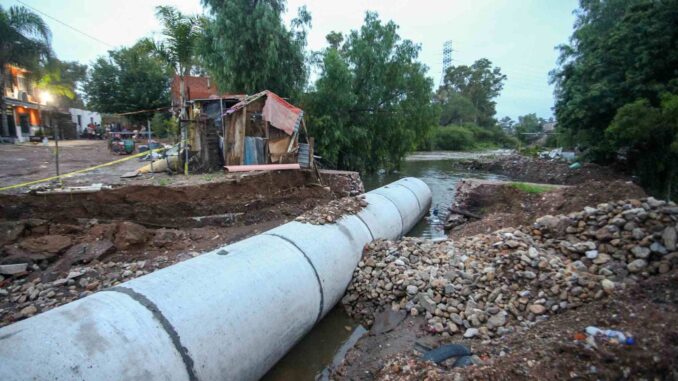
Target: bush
453,138
468,137
163,126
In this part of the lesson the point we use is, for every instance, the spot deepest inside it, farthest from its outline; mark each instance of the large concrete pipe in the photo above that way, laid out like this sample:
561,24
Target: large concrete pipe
229,314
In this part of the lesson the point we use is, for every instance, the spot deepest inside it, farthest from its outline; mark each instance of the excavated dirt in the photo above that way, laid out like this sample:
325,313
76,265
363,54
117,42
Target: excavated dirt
502,205
76,244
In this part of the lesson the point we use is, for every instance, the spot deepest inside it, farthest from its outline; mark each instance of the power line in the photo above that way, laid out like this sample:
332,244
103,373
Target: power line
66,25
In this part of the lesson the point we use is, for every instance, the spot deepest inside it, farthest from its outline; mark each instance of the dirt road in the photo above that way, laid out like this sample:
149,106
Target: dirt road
27,162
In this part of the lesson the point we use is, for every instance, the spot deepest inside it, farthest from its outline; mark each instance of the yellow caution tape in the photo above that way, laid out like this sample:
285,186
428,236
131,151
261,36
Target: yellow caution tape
79,170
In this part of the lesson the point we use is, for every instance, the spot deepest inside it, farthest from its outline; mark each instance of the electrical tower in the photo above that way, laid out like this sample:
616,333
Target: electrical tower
447,58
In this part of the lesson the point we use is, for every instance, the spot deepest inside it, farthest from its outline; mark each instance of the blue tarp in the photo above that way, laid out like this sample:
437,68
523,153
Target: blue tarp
254,151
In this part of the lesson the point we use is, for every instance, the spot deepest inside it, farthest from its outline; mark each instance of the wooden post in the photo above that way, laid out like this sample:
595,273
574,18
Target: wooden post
56,149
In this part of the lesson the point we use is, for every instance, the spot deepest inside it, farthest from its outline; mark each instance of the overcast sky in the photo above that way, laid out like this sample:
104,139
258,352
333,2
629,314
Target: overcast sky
517,35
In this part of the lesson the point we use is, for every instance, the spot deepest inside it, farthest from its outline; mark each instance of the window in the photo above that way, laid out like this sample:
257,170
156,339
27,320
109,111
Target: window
22,83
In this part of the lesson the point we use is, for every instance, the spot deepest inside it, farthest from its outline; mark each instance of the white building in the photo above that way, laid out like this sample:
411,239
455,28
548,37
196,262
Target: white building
82,118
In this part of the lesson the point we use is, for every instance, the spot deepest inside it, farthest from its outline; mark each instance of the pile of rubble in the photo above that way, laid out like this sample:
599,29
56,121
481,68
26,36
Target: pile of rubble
332,211
488,285
24,297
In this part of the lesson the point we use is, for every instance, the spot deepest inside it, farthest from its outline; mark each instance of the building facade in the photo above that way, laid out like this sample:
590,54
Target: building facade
82,118
21,115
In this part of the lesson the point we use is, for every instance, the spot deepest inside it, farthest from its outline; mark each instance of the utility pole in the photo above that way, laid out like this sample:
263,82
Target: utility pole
447,59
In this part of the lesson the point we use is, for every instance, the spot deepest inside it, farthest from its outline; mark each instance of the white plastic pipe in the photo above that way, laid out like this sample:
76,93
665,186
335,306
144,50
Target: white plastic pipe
229,314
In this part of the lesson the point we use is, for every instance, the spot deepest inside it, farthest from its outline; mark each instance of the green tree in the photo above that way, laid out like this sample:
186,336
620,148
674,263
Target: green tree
507,125
163,126
479,83
129,79
648,136
247,48
61,79
456,109
621,51
372,100
24,42
178,47
528,128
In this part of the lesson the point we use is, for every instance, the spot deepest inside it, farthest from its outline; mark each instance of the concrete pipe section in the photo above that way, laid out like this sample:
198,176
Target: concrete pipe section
229,314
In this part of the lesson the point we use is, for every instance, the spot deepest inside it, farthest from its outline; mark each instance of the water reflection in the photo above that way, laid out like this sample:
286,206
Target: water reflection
309,357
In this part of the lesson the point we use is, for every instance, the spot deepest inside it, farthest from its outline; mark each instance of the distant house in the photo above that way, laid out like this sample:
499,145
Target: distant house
197,88
82,118
22,111
26,114
548,127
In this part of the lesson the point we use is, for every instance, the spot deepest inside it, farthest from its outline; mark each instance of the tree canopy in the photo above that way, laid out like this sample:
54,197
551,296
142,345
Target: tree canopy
247,48
621,52
129,79
25,38
179,43
372,101
62,79
528,127
467,93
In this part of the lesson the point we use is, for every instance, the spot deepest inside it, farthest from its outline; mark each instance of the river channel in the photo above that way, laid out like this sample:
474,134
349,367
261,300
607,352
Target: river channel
327,341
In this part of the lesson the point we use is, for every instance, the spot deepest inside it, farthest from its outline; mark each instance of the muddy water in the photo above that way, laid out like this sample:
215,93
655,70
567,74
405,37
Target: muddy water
325,343
441,177
317,350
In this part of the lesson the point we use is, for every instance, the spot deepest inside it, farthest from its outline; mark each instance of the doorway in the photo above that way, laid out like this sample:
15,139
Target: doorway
25,126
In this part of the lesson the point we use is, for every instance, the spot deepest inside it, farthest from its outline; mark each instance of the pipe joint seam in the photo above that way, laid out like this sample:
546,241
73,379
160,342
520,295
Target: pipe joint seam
165,324
315,272
402,220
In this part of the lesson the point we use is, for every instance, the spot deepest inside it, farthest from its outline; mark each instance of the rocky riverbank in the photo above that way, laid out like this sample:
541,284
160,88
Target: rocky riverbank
504,204
538,170
486,286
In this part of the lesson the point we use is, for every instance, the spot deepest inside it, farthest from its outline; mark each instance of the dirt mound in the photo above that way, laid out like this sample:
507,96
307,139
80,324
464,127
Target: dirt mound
502,205
536,170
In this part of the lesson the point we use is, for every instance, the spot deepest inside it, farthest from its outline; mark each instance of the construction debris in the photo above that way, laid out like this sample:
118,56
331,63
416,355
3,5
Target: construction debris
332,211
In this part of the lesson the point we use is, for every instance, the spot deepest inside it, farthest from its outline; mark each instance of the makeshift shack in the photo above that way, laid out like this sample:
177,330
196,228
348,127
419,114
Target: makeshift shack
264,129
206,130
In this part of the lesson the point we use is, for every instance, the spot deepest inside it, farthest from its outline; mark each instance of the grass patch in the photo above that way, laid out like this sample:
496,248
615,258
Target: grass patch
531,188
164,182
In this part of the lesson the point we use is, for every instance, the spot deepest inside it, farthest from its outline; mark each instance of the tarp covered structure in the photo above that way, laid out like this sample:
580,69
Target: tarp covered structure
277,111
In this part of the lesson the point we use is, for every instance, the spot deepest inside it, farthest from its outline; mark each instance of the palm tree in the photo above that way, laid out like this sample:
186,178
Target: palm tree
178,48
24,41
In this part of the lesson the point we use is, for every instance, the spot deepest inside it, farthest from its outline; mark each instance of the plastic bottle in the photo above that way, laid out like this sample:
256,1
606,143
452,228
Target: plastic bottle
611,333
